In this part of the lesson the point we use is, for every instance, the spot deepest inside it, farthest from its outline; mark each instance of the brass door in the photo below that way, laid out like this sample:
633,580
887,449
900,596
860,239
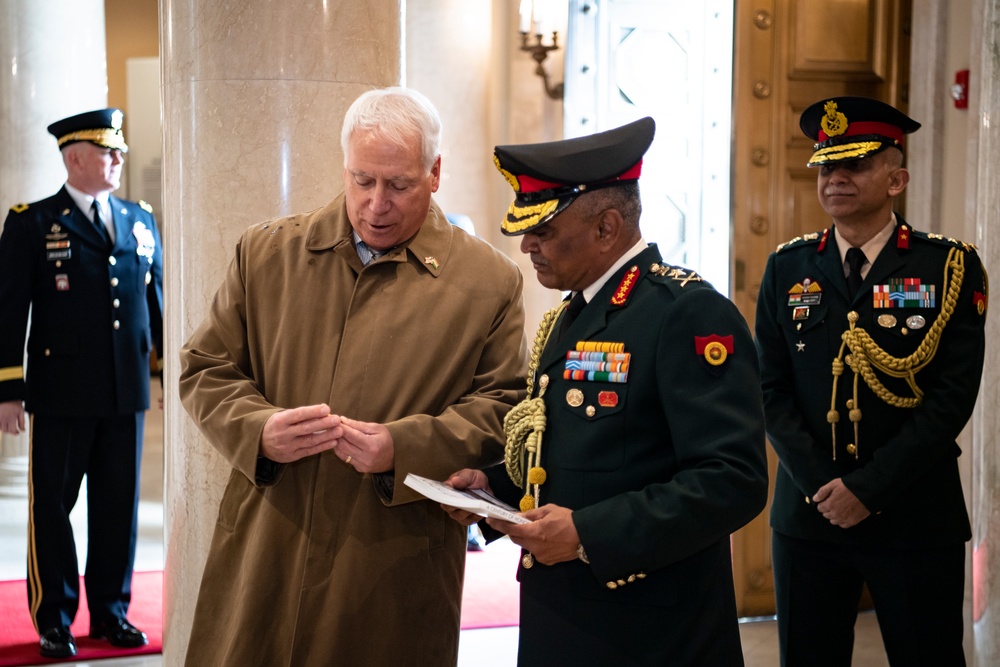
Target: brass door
789,54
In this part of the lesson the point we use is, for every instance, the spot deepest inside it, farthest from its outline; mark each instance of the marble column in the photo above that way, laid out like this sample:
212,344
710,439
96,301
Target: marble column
253,95
985,158
49,69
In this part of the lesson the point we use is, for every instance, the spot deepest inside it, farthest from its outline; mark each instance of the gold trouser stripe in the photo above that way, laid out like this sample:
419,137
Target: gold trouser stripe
34,579
11,373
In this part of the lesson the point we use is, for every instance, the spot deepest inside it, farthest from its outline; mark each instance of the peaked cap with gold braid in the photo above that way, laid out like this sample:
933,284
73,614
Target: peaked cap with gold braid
547,177
850,128
102,127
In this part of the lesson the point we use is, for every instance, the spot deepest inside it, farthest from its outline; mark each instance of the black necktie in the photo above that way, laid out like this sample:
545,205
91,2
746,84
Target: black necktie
573,309
855,260
99,222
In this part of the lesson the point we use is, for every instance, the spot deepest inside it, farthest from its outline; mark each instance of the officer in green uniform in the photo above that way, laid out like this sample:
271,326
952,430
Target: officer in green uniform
640,448
870,336
88,266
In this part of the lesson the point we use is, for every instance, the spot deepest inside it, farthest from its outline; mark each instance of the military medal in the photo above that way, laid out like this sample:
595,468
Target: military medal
574,397
886,320
145,243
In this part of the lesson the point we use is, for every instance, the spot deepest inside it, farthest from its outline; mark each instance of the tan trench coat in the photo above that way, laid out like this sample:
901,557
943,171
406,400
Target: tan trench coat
319,567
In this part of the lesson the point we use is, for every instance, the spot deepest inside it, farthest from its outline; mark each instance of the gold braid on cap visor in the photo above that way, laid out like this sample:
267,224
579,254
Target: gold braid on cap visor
520,218
101,136
844,152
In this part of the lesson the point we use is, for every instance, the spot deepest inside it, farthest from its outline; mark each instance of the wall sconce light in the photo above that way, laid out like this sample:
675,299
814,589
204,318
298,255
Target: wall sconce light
540,15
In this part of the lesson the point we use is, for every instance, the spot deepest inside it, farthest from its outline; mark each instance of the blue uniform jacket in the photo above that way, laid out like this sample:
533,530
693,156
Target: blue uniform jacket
95,311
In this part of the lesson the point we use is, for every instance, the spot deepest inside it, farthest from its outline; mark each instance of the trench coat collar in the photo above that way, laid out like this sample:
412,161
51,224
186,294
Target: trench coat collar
430,247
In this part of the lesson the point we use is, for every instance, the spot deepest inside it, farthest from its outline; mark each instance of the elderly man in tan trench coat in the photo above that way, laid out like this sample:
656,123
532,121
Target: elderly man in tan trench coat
324,380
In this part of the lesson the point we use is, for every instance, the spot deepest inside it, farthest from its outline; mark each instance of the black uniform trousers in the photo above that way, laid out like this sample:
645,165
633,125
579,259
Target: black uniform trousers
918,595
108,450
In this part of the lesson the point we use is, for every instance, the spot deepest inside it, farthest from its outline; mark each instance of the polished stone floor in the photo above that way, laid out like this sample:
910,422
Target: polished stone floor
478,648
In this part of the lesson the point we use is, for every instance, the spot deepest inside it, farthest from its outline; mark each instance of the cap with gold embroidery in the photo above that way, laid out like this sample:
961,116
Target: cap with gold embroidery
850,128
547,177
102,127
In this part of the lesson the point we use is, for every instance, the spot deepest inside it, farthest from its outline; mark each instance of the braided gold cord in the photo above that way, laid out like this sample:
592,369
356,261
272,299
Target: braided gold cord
524,424
866,356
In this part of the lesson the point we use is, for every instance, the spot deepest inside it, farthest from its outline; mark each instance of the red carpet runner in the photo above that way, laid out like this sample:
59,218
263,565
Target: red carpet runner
489,600
491,594
19,642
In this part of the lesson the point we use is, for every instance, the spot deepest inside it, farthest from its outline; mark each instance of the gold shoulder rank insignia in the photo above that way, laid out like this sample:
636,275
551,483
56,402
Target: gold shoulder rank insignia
145,207
19,208
678,274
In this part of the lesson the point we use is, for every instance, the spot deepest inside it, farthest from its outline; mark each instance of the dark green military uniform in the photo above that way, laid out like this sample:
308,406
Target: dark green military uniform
658,469
902,465
872,390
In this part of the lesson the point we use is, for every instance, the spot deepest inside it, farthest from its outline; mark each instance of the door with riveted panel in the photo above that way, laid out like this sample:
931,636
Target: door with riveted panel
789,54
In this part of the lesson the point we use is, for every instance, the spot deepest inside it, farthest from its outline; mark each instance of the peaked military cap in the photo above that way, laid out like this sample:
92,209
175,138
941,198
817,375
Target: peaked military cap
547,177
850,128
102,127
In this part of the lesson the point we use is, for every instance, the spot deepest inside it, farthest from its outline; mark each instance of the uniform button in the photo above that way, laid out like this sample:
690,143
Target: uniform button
149,277
114,282
116,324
611,585
58,263
116,303
591,411
48,352
112,261
851,449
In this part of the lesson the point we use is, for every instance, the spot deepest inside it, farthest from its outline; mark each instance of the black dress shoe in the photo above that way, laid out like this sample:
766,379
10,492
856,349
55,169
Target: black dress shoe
119,632
57,643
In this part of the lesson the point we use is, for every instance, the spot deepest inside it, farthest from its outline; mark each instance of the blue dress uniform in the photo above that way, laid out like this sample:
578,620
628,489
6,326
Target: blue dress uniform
653,436
95,315
873,389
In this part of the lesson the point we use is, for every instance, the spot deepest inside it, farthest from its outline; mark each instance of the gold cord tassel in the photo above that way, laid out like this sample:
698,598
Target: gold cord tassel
866,356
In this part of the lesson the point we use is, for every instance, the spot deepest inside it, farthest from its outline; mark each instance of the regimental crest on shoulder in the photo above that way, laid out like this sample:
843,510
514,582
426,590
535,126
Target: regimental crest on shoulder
19,208
834,123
